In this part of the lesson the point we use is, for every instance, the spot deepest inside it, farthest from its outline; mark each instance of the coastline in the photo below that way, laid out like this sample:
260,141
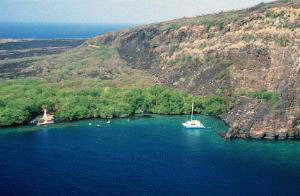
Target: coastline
204,55
27,127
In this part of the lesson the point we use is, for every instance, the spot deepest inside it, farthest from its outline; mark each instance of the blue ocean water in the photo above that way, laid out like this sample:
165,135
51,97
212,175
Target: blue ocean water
146,156
51,31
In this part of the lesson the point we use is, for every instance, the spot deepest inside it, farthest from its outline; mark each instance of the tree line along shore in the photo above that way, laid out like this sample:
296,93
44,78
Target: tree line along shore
22,100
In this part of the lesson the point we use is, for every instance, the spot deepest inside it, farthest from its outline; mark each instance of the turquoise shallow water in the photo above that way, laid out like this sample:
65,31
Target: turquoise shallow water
143,156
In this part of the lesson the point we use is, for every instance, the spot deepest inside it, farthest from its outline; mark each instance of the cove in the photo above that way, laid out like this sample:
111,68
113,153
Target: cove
144,156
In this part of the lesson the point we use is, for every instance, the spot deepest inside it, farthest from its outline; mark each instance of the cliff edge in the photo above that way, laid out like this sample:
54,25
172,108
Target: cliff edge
250,56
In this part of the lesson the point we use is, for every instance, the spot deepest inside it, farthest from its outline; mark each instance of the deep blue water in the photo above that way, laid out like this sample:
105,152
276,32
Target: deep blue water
50,31
146,156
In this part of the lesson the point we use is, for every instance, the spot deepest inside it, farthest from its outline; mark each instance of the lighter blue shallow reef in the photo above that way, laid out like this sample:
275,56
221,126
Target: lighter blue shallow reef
144,156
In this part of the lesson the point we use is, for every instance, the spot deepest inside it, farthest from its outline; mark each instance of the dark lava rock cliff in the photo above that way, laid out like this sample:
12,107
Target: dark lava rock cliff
234,54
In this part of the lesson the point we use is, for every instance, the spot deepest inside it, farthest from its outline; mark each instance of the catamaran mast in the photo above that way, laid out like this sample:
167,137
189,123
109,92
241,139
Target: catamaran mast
192,111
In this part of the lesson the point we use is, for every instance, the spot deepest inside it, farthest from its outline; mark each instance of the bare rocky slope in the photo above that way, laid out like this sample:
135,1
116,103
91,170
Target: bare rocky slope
17,54
242,55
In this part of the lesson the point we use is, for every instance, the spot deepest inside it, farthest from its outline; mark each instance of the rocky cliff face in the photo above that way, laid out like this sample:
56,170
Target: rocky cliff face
251,56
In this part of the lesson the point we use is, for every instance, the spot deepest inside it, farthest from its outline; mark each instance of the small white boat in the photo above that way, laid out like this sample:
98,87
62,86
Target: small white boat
108,122
45,123
193,124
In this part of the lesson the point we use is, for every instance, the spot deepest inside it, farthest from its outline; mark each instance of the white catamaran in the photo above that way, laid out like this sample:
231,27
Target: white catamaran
196,124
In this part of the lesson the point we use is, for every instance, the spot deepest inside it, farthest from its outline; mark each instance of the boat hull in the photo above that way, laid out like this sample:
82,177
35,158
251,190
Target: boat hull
45,123
188,126
194,127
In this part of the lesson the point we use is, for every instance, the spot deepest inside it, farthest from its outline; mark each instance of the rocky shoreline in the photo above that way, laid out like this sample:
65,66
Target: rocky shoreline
226,54
253,119
234,133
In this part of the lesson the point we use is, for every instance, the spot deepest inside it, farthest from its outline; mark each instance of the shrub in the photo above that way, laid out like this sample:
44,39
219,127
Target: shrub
210,59
228,62
214,105
283,42
172,50
285,1
207,59
104,52
197,60
172,62
271,14
264,95
203,45
189,58
173,27
210,21
153,45
149,35
220,24
248,38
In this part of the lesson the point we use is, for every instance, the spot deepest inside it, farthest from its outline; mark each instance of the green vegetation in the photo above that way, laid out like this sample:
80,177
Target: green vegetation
22,100
213,105
149,35
248,38
174,26
172,50
209,22
104,52
211,59
271,14
264,96
173,62
283,42
218,20
203,45
71,66
228,62
291,26
233,17
220,24
189,58
197,60
184,60
153,45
